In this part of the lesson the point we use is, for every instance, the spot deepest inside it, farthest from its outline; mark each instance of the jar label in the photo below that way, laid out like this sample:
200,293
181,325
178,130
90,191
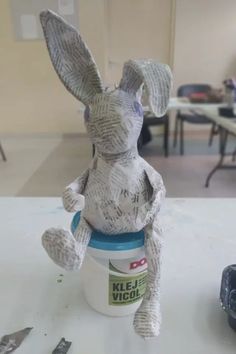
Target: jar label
131,265
126,290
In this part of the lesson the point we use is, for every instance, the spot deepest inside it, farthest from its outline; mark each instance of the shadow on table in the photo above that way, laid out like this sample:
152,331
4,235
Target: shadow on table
213,326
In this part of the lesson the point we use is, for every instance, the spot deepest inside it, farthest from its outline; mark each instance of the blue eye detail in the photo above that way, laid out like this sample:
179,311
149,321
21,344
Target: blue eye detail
86,113
138,108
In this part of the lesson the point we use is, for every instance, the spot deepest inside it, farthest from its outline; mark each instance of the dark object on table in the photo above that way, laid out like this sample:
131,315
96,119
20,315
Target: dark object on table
62,347
227,112
12,341
145,135
215,96
192,117
228,294
198,97
211,96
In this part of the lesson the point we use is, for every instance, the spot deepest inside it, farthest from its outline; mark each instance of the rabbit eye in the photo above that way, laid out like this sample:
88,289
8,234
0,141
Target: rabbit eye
138,108
86,113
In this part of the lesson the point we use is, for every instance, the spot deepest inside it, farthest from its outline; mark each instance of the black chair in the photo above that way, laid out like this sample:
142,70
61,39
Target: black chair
192,117
145,135
2,153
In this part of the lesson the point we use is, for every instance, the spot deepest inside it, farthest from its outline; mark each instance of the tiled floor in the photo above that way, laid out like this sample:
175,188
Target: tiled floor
24,158
44,166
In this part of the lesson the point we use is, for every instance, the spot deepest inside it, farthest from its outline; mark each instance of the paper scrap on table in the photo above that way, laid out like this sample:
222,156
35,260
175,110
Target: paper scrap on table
62,347
29,27
12,341
66,7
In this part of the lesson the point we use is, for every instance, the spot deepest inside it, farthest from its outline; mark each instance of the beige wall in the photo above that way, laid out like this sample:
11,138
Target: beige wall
205,41
32,100
137,29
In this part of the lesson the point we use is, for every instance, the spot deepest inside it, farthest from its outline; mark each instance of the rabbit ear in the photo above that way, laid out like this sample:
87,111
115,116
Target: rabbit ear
157,80
70,57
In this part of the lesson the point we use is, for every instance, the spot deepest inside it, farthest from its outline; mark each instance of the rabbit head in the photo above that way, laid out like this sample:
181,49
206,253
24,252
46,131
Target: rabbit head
113,118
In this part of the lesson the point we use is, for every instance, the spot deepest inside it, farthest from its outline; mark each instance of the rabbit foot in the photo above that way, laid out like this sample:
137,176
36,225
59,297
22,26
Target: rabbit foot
147,319
62,248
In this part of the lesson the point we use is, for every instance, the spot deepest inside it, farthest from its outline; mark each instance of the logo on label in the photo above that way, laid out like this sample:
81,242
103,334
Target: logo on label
139,263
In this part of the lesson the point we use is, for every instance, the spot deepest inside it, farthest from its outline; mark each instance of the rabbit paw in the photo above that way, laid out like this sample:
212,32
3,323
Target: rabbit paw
147,319
72,201
62,248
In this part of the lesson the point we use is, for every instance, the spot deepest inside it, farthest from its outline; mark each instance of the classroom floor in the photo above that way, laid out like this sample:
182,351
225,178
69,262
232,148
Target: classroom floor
43,166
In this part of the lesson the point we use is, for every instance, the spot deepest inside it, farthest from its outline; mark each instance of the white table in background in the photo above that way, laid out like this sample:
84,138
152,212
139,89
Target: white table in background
177,103
227,126
200,242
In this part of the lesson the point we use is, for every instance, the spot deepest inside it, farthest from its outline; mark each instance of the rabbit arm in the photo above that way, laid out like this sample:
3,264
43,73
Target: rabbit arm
157,188
73,200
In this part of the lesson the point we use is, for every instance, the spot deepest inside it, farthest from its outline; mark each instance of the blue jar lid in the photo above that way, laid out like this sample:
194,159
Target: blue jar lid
120,242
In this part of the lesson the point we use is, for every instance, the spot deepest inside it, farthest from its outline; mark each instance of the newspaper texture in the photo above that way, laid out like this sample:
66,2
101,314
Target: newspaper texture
119,192
62,347
10,342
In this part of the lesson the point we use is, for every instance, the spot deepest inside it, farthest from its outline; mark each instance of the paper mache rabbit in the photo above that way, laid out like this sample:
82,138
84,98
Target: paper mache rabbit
119,192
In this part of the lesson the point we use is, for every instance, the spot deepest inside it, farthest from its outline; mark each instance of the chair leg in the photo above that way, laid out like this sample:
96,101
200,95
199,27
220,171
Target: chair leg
176,131
166,136
234,156
222,147
3,153
93,151
213,132
181,137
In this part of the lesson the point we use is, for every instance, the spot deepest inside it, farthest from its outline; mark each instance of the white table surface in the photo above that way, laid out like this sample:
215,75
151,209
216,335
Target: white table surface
200,241
227,123
208,109
176,103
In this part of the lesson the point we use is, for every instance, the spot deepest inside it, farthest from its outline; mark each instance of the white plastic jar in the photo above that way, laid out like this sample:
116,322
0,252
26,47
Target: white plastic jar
114,272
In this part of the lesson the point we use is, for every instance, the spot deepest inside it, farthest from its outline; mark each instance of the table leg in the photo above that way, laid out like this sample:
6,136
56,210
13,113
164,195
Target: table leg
223,141
93,150
176,131
234,156
181,136
2,153
166,136
212,133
